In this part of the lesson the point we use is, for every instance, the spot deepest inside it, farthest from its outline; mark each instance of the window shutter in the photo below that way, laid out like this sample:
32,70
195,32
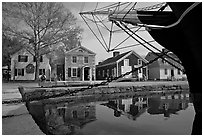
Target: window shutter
78,72
69,72
41,58
15,72
26,59
19,56
22,72
34,59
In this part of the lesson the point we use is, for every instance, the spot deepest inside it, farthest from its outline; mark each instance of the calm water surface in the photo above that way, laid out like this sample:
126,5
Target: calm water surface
169,114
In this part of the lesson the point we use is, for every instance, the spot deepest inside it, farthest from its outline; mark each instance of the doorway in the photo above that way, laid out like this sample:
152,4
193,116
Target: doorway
86,73
172,72
60,72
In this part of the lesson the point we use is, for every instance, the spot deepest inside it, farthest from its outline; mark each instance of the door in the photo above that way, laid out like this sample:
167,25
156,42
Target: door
60,72
86,73
172,72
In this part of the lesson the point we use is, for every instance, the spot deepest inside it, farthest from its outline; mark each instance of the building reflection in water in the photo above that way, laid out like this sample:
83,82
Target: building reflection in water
131,107
134,107
69,118
167,105
66,119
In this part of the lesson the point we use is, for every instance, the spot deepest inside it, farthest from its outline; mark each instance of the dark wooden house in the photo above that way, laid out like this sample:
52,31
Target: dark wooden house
120,64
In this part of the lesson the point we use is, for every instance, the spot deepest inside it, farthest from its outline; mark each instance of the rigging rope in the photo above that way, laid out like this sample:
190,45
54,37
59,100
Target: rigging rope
160,5
125,39
100,33
147,47
93,32
150,44
132,45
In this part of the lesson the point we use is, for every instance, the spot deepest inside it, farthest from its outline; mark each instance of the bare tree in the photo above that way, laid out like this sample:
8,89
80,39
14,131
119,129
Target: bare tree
40,25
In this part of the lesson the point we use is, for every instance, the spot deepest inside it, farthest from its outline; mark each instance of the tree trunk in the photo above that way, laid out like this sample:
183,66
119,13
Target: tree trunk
8,71
37,62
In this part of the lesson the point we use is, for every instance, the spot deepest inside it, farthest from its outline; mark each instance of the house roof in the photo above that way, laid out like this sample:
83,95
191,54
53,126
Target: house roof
82,47
151,56
113,59
23,49
119,58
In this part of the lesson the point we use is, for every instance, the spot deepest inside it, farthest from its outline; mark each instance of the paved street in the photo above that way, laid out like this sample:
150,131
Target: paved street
10,90
14,115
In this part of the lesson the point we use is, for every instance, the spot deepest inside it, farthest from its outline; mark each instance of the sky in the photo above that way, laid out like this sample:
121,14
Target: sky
90,41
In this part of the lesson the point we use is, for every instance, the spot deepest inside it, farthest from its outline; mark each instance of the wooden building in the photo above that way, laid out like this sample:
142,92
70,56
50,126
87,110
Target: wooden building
23,66
162,70
79,64
120,64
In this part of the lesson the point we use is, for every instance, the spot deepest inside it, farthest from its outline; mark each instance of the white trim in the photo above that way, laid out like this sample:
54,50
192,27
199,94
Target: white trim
72,60
82,48
130,54
98,66
116,69
72,72
125,61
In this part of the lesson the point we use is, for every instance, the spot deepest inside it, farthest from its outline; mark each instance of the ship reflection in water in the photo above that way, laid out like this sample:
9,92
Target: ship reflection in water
169,114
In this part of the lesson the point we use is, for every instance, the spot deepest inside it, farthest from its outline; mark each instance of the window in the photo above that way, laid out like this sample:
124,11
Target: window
86,60
74,72
74,114
34,59
22,58
178,72
86,114
41,59
107,72
99,73
20,72
139,62
103,73
74,59
69,72
165,72
41,71
80,50
126,62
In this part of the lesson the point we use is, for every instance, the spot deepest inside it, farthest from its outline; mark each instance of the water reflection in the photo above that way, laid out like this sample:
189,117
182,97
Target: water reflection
66,119
168,105
131,107
72,118
134,107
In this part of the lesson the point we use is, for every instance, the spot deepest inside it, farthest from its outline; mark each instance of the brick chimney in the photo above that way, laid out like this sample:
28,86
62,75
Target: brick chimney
116,53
